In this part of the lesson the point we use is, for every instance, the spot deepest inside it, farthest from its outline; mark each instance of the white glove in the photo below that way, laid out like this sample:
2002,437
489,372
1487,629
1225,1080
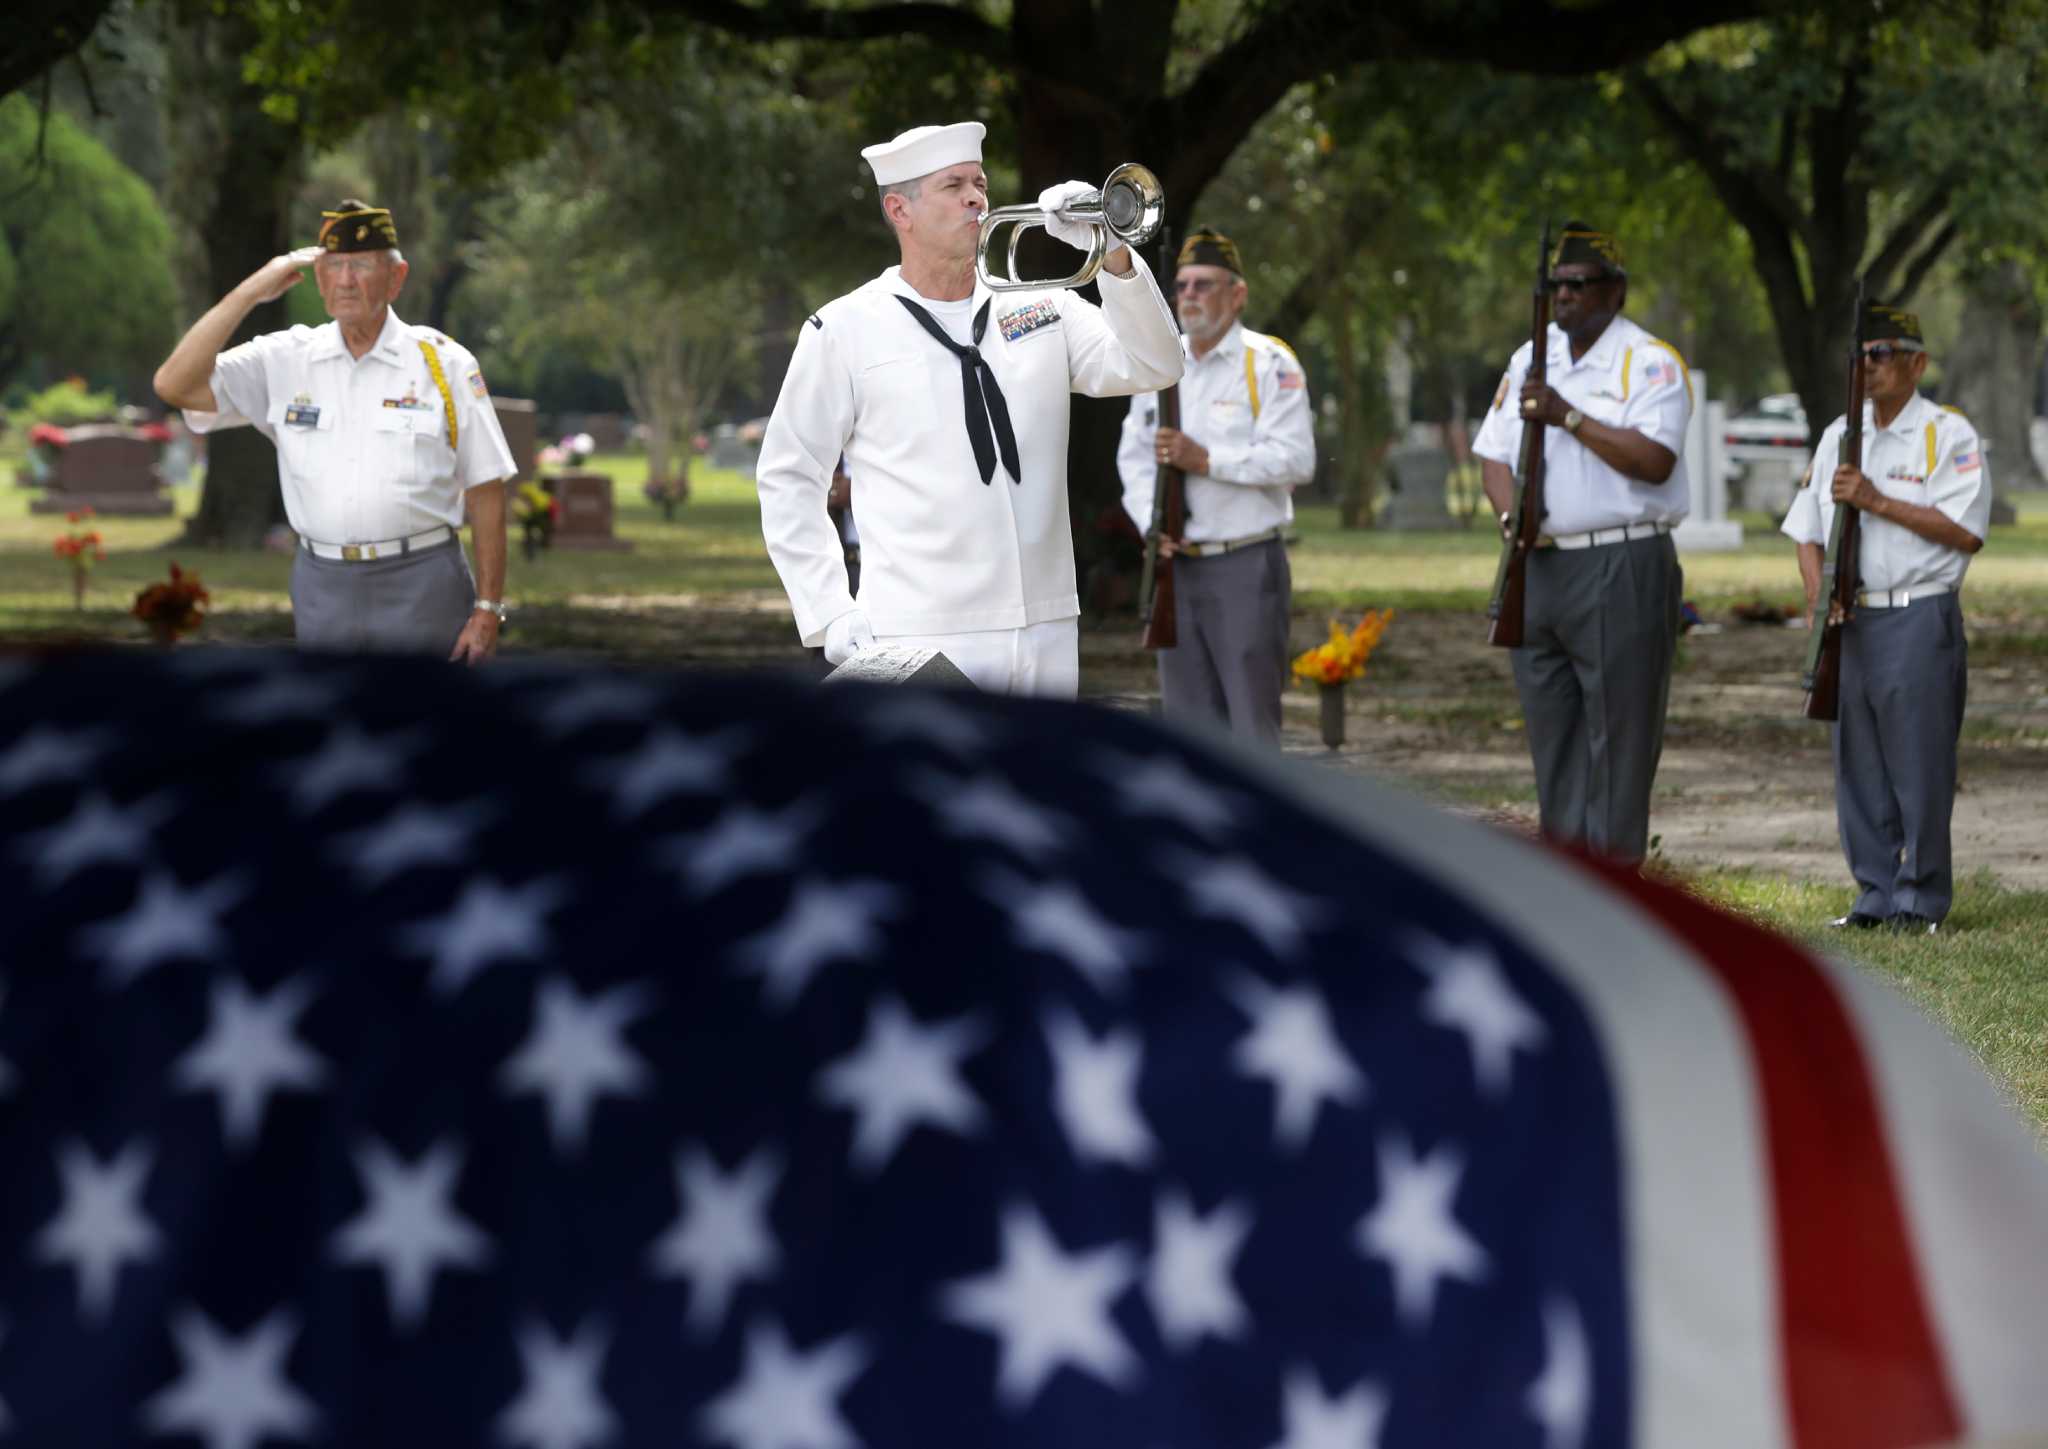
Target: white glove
846,636
1071,230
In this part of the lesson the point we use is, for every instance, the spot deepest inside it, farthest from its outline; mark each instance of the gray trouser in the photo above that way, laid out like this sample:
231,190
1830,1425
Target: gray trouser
1230,615
1905,673
1594,676
414,604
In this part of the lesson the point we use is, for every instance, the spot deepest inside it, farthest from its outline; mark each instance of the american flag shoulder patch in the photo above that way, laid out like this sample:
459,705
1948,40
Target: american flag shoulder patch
1290,380
476,383
1969,460
1660,372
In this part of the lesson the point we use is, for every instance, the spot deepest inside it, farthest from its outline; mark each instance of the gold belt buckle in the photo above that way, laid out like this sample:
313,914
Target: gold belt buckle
356,552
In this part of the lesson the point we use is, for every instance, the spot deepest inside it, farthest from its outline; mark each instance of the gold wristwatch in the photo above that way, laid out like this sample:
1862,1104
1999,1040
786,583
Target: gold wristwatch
1572,419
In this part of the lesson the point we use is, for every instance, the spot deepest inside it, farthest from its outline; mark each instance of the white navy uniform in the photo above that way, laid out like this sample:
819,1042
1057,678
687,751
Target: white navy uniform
1601,611
1905,662
942,552
1246,401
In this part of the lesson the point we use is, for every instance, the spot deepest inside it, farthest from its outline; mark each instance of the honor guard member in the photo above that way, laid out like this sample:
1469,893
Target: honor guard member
950,404
385,440
1925,495
1247,438
1604,588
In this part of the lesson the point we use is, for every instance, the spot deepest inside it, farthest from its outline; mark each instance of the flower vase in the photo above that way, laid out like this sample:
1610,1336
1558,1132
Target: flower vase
530,542
1333,714
78,589
163,633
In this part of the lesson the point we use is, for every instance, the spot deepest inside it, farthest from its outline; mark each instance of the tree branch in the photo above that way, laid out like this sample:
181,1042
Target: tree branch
1917,270
1750,195
1912,227
959,29
39,34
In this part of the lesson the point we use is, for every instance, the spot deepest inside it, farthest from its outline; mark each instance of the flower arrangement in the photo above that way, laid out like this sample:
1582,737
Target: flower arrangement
172,609
1343,656
82,548
666,493
536,509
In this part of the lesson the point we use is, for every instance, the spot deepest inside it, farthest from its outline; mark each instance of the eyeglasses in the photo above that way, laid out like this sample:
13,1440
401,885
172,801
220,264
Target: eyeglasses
1194,286
354,266
1579,284
1884,352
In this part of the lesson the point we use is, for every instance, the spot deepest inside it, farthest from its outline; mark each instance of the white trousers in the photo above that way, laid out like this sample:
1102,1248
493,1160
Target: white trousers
1041,659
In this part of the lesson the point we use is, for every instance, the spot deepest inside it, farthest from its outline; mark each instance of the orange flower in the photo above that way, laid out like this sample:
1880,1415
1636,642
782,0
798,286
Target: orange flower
1343,656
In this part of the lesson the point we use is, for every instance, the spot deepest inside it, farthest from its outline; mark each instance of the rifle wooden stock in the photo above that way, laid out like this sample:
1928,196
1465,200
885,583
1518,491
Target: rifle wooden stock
1843,567
1169,520
1525,524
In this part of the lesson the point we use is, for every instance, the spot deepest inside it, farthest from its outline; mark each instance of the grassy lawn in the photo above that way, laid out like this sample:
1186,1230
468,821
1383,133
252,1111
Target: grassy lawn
699,590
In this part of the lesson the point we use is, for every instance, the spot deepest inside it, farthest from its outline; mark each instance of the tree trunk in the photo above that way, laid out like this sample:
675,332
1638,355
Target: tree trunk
234,172
1990,376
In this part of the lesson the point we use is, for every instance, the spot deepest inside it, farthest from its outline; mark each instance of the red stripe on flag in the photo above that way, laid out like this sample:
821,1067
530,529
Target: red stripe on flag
1862,1367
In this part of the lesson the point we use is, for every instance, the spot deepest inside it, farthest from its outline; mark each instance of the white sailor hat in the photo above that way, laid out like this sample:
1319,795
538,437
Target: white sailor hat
923,150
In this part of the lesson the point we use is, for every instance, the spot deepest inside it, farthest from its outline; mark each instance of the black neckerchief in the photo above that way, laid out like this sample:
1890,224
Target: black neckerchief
982,401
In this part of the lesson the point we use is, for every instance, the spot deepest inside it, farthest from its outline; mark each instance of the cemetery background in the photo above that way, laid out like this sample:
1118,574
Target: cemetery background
633,213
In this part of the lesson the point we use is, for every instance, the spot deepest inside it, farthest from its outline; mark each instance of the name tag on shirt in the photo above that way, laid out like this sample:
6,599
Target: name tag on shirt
302,415
1025,320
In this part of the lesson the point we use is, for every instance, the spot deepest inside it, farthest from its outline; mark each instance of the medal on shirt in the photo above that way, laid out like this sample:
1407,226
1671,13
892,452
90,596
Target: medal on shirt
410,402
302,412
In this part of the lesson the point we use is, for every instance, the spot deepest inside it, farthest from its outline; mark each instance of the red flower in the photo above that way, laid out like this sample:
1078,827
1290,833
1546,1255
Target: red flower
48,435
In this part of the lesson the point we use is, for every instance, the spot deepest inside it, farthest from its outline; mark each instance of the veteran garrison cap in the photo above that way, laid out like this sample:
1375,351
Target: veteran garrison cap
1883,322
1584,245
357,226
1207,247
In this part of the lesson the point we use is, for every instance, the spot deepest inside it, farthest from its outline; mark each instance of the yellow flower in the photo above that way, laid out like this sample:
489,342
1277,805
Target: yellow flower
1343,657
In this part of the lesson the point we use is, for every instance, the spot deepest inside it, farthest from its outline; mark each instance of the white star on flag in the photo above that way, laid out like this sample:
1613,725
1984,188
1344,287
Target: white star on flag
668,763
743,842
922,717
901,1076
411,836
349,760
594,701
1232,888
1412,1228
247,1053
786,1399
1048,1309
277,696
408,1228
166,922
1055,917
720,1237
1164,788
989,808
101,1223
1095,1092
825,921
489,923
1469,993
43,756
576,1051
1293,1043
96,832
560,1404
1188,1282
1561,1399
232,1392
1316,1421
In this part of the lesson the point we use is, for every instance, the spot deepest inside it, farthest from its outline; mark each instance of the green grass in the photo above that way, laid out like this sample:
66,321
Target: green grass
1985,977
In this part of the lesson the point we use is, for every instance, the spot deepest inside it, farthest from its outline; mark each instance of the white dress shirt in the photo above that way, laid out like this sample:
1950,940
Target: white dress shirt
1929,456
362,442
1246,401
1627,379
941,551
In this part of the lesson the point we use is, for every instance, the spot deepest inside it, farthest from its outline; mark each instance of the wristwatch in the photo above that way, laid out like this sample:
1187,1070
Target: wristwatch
492,606
1572,419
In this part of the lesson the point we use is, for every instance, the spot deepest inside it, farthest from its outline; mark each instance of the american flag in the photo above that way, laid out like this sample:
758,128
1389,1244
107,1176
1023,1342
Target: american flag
543,1057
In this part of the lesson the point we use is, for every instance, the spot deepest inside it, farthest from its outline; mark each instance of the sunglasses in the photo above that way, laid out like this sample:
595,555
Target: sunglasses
1882,352
1578,284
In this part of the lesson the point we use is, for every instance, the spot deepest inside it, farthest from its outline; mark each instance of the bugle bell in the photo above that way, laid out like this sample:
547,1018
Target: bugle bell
1128,208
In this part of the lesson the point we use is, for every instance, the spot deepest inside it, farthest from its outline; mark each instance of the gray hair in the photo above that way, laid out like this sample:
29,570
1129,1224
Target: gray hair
909,190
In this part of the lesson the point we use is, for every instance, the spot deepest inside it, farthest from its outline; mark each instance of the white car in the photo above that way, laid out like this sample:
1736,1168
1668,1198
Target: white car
1767,450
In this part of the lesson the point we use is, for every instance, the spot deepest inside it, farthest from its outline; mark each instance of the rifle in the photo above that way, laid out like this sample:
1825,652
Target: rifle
1525,523
1839,575
1169,520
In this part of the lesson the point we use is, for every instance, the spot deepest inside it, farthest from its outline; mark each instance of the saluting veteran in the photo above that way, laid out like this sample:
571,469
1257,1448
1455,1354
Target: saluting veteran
385,439
1925,496
1246,439
950,404
1604,589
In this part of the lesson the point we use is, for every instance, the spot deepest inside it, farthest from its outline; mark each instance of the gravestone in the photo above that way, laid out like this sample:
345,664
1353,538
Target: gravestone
1707,527
108,468
731,449
521,423
1416,501
586,521
609,432
900,664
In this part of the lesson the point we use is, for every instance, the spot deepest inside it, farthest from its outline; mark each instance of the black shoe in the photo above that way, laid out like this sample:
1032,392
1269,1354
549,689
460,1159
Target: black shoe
1857,921
1907,923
